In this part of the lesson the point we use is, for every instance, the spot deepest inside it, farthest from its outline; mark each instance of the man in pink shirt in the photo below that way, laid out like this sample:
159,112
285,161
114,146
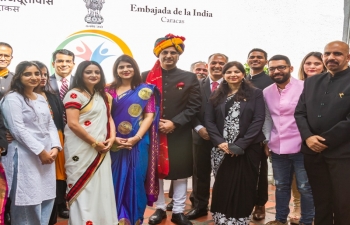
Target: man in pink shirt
284,141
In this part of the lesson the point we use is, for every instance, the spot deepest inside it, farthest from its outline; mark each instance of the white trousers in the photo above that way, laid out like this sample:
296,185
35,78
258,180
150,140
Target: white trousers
179,196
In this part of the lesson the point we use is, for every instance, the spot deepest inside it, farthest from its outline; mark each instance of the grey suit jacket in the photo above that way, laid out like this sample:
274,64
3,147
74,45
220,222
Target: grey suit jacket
53,83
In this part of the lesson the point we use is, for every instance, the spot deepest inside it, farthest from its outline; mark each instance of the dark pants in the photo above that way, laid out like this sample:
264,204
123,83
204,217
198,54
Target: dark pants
262,192
330,185
60,201
201,174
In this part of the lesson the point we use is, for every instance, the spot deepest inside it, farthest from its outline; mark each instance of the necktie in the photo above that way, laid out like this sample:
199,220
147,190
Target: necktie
64,88
214,85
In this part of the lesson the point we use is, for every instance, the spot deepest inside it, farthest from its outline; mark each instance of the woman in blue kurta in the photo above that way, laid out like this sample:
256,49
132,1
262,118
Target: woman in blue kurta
135,154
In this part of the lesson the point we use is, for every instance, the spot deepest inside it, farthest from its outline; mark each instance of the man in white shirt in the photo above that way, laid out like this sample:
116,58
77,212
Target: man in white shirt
60,81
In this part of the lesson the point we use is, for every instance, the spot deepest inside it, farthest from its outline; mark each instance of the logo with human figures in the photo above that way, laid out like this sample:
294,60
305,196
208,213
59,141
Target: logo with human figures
96,45
94,8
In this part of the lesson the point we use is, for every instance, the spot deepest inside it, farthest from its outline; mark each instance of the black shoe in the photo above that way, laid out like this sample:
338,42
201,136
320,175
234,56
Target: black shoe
180,219
63,212
157,217
7,219
196,213
169,207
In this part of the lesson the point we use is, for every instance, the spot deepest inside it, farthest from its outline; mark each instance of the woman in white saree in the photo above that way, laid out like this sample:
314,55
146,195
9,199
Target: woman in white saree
89,127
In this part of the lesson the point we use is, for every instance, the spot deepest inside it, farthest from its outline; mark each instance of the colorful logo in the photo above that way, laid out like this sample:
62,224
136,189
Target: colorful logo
96,45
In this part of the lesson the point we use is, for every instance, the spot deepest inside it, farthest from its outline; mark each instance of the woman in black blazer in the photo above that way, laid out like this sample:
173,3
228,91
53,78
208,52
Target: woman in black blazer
234,118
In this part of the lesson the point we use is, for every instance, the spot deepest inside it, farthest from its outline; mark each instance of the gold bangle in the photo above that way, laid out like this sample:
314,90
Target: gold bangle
94,144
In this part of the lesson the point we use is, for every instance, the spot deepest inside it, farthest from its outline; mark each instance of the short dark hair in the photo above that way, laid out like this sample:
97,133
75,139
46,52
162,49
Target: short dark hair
258,50
198,62
7,45
280,57
63,52
136,80
220,54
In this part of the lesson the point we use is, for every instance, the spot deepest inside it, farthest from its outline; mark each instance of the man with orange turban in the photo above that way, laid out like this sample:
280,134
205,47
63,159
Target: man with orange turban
180,101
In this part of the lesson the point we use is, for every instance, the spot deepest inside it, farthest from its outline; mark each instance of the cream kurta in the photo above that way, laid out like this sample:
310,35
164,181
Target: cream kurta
33,129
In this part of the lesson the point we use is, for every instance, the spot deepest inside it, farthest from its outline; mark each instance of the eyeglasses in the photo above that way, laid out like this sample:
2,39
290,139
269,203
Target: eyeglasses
167,52
279,68
5,56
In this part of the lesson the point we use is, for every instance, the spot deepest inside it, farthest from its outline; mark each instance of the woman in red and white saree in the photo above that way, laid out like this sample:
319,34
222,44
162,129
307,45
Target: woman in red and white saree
90,192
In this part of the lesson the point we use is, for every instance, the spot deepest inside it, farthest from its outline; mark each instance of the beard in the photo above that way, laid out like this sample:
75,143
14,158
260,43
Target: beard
285,77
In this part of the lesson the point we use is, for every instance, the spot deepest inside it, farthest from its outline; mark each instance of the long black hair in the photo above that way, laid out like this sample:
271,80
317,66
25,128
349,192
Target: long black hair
16,84
47,87
136,79
244,91
78,80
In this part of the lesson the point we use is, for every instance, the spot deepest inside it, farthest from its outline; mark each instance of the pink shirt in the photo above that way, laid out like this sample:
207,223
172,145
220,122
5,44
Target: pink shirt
282,131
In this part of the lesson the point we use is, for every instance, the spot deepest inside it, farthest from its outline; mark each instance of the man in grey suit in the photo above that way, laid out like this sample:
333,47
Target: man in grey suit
63,62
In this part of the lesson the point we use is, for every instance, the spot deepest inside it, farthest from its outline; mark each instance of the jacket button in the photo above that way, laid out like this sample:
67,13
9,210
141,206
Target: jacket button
319,116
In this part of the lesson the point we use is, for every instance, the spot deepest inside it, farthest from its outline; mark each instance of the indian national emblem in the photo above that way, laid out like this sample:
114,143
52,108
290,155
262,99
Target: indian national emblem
94,8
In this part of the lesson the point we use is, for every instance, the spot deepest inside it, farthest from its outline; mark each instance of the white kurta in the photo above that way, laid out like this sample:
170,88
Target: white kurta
33,129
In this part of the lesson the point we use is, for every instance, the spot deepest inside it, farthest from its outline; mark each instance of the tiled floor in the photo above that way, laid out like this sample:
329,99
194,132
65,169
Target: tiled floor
270,213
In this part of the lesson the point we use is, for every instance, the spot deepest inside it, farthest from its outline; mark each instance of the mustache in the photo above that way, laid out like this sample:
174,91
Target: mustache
332,61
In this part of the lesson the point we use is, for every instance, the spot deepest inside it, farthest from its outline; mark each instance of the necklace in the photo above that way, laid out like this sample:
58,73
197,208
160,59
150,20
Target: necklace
87,93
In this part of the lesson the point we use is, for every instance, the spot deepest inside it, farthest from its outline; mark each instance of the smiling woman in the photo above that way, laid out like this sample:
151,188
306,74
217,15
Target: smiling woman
234,117
89,135
33,150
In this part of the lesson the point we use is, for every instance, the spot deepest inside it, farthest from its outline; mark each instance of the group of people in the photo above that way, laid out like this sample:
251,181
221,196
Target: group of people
98,153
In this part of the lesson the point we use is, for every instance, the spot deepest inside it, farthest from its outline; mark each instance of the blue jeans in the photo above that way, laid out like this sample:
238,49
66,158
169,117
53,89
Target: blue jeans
29,214
283,168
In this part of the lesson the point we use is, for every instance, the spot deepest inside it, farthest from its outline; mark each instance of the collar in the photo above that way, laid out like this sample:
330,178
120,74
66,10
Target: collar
59,78
340,74
169,71
211,81
257,76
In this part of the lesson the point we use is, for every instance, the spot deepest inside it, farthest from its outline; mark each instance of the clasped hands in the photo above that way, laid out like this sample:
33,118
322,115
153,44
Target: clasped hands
126,143
48,157
314,143
224,147
166,126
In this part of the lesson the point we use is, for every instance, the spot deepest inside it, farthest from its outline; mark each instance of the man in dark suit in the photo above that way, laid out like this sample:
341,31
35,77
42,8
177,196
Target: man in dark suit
5,60
257,59
63,62
323,119
201,143
180,101
200,68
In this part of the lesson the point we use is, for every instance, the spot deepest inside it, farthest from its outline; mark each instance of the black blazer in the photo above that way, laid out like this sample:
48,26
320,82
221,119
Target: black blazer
324,109
53,83
204,85
251,120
